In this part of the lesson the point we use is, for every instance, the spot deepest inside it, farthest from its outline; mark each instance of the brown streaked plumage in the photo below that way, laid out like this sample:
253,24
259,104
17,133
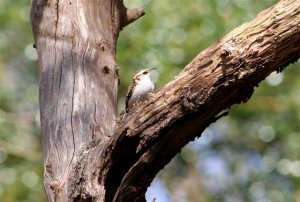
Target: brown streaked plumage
139,87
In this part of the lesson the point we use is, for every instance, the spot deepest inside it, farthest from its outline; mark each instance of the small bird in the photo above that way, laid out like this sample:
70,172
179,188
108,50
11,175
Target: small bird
139,87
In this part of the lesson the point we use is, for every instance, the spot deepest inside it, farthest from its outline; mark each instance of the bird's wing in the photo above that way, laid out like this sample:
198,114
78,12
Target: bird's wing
129,94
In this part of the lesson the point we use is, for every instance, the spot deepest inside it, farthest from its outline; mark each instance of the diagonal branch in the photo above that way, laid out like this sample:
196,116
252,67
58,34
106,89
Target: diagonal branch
220,76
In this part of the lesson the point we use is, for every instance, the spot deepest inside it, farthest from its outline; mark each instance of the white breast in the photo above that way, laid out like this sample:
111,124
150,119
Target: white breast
144,86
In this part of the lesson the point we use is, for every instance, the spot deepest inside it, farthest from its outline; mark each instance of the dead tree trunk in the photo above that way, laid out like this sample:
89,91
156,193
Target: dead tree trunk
87,156
76,43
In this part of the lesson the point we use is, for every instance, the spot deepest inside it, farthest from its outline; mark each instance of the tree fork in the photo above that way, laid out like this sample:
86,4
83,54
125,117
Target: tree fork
87,156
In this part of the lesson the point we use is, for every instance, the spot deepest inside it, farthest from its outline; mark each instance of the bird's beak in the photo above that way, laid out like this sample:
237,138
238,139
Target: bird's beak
151,69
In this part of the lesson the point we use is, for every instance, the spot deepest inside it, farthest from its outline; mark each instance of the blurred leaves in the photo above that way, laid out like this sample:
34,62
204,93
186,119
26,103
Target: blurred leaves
251,155
20,148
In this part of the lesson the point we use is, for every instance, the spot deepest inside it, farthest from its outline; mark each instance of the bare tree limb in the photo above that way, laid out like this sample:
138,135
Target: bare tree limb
222,75
130,15
87,155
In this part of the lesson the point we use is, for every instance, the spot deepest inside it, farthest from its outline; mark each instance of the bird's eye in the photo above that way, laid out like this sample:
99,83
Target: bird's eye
145,72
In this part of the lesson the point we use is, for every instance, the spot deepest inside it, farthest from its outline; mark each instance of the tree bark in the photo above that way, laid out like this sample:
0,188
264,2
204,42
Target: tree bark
88,153
76,43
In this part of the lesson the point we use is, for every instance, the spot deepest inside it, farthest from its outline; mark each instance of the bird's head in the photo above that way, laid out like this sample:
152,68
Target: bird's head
144,73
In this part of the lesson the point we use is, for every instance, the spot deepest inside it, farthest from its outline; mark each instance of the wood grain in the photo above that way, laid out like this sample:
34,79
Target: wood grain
90,155
222,75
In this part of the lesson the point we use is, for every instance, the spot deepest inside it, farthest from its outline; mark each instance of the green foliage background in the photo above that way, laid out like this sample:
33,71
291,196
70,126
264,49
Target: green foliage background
251,155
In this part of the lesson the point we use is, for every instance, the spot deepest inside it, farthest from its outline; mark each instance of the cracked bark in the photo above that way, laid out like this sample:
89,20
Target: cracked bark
87,156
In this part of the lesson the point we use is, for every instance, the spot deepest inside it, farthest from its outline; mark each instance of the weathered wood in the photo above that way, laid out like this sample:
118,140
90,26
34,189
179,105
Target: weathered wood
222,75
87,156
76,43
